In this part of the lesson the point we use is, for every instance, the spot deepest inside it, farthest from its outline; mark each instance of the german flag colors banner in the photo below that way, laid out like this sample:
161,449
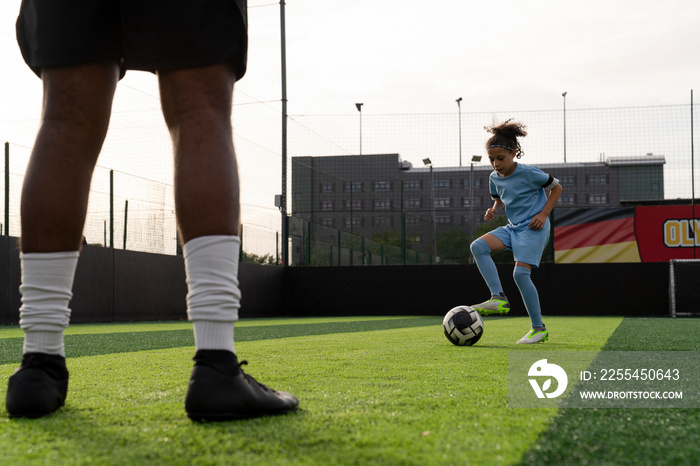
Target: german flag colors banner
626,234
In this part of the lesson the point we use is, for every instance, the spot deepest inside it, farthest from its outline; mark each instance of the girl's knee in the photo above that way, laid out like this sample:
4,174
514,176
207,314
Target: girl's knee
521,273
479,246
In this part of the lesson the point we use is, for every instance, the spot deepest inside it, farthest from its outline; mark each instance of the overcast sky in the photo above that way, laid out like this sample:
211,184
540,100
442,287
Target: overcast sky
416,56
408,56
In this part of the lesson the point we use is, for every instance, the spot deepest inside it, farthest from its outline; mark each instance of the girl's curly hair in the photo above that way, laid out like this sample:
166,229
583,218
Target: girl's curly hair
507,134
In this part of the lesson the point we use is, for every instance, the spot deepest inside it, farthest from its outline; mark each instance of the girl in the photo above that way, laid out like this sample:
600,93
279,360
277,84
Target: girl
521,189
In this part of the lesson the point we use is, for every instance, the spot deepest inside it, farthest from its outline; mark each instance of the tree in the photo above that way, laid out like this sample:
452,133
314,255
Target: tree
320,256
353,242
391,238
454,246
267,259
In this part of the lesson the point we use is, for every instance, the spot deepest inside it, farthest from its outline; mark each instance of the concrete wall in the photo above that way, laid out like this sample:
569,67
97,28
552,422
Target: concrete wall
564,289
120,286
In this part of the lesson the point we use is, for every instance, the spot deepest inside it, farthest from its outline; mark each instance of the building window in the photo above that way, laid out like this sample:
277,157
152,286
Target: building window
597,180
326,205
442,202
381,221
443,184
327,187
466,202
568,180
356,222
355,205
443,219
415,203
412,185
327,222
597,199
382,204
411,220
475,220
382,185
415,238
567,199
356,187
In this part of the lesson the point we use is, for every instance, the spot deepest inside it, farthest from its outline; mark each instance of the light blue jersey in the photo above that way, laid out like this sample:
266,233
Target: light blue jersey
522,192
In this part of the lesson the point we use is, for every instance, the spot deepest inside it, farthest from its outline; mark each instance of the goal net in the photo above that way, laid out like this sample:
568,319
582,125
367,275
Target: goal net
684,287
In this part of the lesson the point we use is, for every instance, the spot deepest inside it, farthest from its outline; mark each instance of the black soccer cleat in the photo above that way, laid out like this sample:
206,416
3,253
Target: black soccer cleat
38,387
219,390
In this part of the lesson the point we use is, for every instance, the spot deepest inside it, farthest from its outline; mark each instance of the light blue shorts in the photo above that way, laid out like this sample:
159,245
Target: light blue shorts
527,245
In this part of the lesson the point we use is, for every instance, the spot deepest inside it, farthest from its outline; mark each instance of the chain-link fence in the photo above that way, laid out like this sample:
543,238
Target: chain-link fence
128,211
418,184
376,189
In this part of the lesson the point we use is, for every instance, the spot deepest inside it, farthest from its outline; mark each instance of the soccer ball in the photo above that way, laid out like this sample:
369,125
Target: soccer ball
463,326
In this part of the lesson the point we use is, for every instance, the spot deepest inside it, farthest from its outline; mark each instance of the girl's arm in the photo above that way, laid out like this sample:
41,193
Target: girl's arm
538,220
491,212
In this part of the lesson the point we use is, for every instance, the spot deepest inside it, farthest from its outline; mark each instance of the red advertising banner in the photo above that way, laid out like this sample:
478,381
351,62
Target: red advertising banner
666,232
626,234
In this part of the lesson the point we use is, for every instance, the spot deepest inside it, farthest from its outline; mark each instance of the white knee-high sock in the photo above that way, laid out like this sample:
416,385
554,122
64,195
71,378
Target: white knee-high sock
213,299
46,289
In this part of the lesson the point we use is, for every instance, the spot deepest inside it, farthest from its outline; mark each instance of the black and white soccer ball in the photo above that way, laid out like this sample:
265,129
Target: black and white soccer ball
463,326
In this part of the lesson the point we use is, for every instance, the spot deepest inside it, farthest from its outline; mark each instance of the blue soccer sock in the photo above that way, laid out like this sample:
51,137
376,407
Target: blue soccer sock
482,255
531,298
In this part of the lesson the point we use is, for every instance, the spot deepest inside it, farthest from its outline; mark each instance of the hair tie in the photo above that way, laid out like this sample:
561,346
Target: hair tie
500,145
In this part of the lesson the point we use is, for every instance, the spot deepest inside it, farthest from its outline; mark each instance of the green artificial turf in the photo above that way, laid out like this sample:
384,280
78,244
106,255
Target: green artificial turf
628,436
371,391
86,340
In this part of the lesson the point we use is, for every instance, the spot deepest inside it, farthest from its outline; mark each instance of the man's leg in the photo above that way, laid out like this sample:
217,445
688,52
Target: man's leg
76,111
197,109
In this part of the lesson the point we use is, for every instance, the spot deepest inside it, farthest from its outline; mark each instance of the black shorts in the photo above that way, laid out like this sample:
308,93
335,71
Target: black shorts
148,35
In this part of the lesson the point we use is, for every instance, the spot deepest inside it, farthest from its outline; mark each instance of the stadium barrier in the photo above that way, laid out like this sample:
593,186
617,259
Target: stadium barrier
114,285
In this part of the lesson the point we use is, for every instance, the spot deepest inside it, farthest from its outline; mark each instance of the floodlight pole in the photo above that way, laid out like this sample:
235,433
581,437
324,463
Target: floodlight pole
7,189
564,96
432,181
359,109
459,106
692,168
471,201
283,197
475,159
427,162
